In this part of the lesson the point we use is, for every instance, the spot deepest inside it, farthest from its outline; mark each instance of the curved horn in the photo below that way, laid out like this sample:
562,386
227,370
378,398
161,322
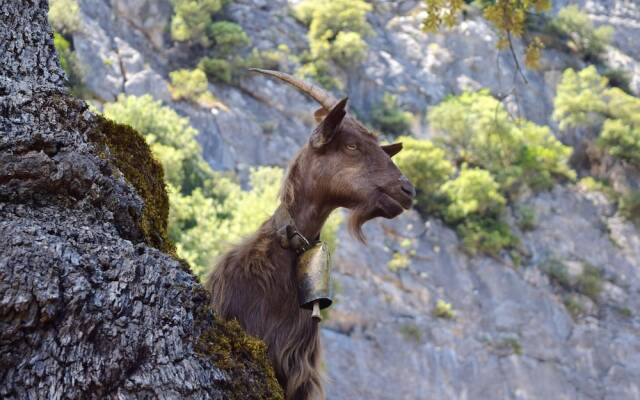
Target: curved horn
320,95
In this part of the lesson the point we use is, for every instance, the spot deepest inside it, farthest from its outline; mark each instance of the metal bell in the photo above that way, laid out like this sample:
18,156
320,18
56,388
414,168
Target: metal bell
314,279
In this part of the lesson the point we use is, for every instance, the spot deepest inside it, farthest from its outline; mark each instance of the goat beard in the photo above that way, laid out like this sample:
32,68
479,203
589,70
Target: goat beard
359,216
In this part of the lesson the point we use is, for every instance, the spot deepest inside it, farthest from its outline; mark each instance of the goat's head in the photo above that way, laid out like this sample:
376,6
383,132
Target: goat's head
343,164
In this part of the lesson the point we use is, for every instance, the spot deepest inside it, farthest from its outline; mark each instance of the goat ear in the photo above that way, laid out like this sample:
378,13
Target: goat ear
392,149
319,114
329,126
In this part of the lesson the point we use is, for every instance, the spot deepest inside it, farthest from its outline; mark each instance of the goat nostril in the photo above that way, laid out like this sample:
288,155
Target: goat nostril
408,188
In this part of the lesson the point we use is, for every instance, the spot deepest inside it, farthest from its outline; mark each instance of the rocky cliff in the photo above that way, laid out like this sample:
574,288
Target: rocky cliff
92,303
513,334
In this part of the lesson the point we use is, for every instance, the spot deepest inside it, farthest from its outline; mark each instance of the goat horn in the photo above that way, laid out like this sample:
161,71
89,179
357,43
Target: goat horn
320,95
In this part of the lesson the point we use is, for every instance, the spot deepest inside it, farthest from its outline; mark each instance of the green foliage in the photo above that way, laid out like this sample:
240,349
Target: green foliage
477,128
489,235
584,100
619,78
389,118
70,64
427,168
192,18
216,69
227,36
336,31
590,282
509,17
64,16
580,98
557,272
398,261
526,218
630,206
411,332
444,310
473,192
191,85
579,33
573,305
170,136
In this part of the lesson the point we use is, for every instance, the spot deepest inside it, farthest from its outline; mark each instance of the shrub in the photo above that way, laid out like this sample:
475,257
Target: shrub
64,16
411,332
336,31
227,36
348,49
478,129
398,261
526,218
619,78
216,69
427,168
70,64
630,206
489,235
171,137
621,140
191,85
444,310
590,282
573,305
580,34
580,98
557,273
473,192
192,18
389,118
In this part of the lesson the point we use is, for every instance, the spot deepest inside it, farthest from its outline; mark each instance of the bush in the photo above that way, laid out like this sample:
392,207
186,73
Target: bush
389,118
629,206
478,129
70,64
170,136
489,235
336,31
427,168
191,85
580,34
398,261
192,18
444,310
580,98
348,49
590,282
473,192
526,218
227,36
64,16
216,69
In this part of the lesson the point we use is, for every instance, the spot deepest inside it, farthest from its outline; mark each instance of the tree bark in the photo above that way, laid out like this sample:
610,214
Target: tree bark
90,307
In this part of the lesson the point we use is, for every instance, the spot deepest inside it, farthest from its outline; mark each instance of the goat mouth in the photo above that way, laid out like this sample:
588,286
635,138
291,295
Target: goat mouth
392,206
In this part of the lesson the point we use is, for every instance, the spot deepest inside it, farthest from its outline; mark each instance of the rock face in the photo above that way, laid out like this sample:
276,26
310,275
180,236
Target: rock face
89,305
519,331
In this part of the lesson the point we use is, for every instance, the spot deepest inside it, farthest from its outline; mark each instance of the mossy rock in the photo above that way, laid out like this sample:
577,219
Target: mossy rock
243,358
133,157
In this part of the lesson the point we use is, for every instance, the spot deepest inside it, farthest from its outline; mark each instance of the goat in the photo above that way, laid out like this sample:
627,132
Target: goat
342,165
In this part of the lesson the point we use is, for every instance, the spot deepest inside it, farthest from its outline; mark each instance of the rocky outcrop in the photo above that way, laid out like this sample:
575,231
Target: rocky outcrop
92,303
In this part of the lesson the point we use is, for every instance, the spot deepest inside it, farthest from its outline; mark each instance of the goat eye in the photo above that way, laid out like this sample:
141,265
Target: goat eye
351,146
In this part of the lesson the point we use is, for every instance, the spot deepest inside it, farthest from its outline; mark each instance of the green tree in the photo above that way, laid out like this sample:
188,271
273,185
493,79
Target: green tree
192,18
336,31
474,191
191,85
579,33
427,168
477,128
64,16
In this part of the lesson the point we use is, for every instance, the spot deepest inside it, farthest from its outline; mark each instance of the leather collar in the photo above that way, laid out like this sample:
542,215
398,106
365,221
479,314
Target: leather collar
287,234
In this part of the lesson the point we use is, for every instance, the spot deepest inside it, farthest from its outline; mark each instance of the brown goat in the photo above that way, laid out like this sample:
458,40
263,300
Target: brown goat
342,165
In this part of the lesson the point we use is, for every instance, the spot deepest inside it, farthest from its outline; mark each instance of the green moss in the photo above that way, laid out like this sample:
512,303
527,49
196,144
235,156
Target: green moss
243,358
134,159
